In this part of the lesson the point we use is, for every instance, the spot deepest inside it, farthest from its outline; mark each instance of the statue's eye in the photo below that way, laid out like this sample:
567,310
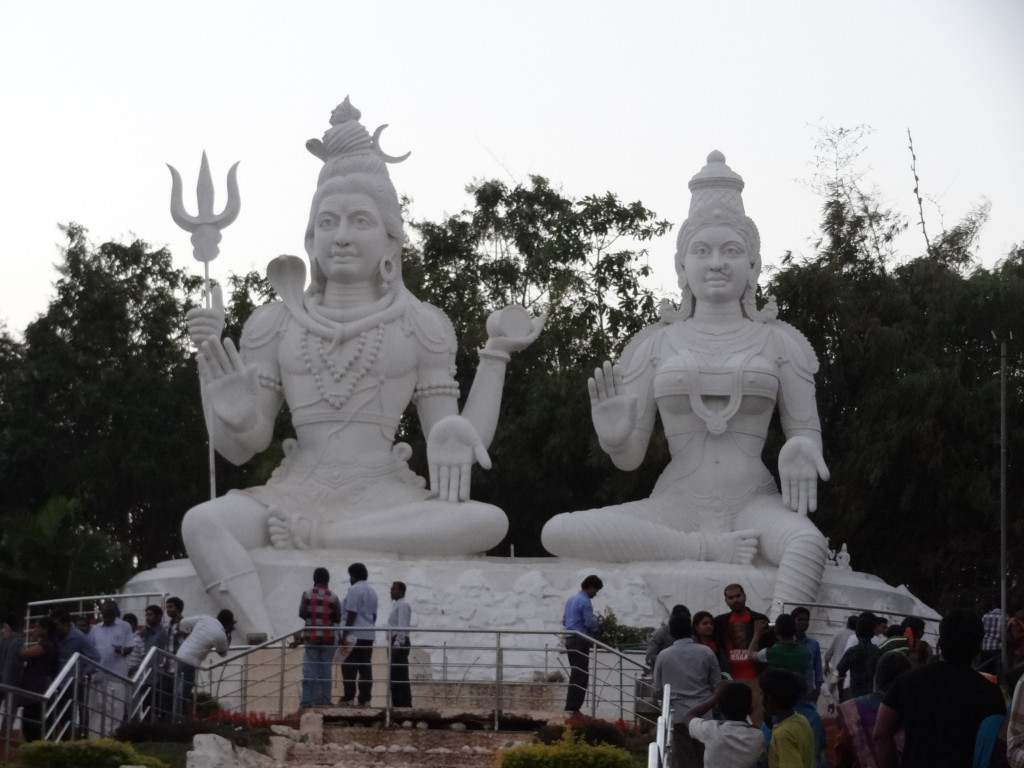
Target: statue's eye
699,250
362,220
326,222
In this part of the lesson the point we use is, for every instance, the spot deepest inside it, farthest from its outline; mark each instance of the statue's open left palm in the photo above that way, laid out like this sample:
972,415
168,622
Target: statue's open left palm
800,466
452,447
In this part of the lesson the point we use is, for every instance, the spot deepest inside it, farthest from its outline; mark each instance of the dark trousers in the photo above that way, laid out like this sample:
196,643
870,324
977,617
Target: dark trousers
176,691
357,664
687,752
579,671
31,720
401,692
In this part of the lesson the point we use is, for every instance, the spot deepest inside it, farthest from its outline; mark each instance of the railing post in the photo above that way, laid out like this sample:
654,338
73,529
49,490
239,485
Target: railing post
280,680
243,683
593,681
9,714
388,703
498,678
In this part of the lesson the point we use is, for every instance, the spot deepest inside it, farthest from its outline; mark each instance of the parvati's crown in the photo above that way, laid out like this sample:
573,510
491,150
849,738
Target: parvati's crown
716,185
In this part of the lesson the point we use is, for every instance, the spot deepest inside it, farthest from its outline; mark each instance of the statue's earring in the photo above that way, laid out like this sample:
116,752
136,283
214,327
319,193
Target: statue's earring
388,269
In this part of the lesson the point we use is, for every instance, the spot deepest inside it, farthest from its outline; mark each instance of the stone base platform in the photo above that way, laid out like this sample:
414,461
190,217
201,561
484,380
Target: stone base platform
501,593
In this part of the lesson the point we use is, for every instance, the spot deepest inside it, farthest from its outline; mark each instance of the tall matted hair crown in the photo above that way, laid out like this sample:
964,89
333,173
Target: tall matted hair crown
347,147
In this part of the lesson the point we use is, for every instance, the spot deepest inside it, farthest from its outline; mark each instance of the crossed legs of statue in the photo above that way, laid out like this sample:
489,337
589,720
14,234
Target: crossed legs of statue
219,536
793,543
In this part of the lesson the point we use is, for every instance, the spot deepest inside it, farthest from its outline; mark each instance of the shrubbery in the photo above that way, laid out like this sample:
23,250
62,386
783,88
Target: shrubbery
622,635
249,731
94,753
571,751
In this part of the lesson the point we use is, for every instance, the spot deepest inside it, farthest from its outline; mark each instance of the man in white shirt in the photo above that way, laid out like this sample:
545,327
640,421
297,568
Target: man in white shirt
200,634
114,640
359,613
400,616
731,742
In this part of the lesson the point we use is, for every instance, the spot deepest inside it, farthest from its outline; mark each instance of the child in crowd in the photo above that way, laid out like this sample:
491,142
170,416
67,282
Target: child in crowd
731,742
792,742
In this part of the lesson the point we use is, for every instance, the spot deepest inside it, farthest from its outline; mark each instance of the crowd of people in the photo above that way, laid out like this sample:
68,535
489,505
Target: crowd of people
110,651
743,688
746,691
113,648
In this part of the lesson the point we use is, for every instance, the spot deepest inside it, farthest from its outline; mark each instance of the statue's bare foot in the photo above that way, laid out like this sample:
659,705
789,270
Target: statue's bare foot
738,547
288,531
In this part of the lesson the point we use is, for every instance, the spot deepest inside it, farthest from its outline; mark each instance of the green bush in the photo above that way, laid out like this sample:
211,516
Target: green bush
622,635
185,729
568,752
94,753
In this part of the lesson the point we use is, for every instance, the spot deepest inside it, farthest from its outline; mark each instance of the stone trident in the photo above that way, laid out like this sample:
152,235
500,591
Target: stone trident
205,228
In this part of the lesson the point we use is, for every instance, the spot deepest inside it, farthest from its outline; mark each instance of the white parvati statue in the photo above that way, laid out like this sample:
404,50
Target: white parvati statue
714,371
348,354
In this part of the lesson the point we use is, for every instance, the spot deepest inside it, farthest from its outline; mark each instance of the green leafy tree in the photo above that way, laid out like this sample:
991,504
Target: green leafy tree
580,261
908,391
102,406
51,551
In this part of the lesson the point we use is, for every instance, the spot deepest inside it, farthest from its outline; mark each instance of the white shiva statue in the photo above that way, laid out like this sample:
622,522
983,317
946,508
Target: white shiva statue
714,371
348,353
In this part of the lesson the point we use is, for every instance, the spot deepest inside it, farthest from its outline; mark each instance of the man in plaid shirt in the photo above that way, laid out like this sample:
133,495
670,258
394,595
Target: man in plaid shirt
319,608
992,643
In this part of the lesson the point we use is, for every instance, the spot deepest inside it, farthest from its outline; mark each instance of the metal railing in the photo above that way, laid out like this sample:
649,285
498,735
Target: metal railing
659,753
89,605
498,673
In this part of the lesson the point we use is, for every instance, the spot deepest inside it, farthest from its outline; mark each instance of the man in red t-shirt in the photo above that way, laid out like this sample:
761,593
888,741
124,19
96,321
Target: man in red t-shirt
733,633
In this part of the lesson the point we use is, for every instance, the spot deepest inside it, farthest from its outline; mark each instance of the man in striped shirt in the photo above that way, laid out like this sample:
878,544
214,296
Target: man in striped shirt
321,610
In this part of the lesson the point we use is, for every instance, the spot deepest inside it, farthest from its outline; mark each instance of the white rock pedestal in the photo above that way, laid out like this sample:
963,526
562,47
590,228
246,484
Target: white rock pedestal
501,593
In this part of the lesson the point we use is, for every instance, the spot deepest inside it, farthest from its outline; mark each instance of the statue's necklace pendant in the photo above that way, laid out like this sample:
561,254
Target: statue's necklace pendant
716,424
346,374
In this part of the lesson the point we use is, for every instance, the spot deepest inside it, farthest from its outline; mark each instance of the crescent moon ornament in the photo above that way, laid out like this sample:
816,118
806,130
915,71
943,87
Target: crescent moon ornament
375,141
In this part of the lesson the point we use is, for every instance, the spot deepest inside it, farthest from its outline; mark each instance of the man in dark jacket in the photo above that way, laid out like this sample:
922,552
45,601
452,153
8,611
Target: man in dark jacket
939,705
733,632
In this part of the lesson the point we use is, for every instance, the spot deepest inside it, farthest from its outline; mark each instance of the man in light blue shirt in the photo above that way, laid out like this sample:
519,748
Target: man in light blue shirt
359,612
579,618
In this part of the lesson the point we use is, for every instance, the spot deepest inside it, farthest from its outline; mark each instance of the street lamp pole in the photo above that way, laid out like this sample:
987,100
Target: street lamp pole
1004,651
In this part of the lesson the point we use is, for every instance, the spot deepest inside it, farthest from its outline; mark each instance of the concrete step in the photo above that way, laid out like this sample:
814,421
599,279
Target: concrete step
356,737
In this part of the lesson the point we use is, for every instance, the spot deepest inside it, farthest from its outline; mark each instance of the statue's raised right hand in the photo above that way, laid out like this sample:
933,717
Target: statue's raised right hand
231,387
207,323
612,410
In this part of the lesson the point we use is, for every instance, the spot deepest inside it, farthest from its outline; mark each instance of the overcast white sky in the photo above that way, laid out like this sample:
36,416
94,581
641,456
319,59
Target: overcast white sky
598,96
